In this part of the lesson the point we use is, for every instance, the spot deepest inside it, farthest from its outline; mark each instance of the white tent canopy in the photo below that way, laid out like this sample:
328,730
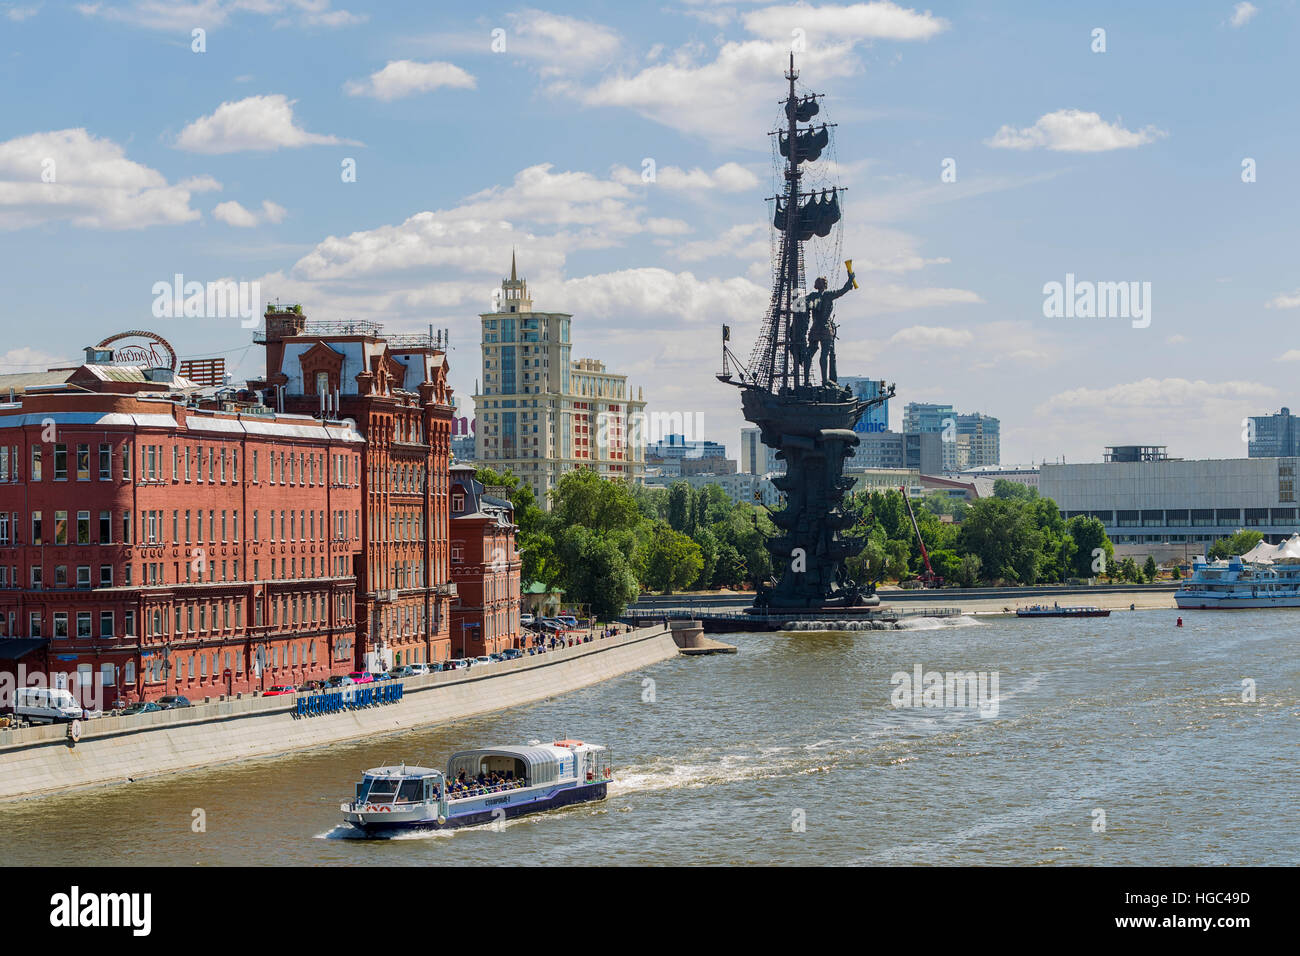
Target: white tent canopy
1288,552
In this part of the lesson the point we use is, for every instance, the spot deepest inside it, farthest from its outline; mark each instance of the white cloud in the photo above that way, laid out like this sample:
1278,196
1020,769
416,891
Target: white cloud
94,185
254,123
1242,13
744,241
18,14
1192,417
879,20
1284,301
233,214
559,44
732,95
1175,339
1291,355
26,359
585,212
658,293
929,337
188,14
1073,131
729,177
405,77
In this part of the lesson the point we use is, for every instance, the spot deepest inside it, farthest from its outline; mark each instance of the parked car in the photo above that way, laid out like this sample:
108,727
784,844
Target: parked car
419,670
483,659
144,707
310,686
404,671
338,680
382,675
527,620
280,689
173,701
512,653
456,664
361,677
568,620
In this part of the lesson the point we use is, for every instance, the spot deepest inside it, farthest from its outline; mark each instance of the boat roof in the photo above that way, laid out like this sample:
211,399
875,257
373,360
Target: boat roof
544,761
403,770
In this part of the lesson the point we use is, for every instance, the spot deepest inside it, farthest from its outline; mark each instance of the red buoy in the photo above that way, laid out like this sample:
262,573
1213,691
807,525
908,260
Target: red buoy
1180,622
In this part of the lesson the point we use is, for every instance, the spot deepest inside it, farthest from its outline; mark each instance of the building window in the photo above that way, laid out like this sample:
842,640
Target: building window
105,623
60,624
83,463
83,624
36,463
60,462
105,575
83,527
105,462
60,527
83,575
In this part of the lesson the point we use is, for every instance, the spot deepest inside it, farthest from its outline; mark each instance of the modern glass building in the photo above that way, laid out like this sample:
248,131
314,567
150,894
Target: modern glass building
875,419
1274,436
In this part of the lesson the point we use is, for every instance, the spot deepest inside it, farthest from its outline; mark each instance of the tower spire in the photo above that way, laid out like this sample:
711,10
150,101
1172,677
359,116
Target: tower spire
513,275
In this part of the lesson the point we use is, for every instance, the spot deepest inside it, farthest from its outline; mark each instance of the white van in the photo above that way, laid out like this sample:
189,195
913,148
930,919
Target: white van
46,705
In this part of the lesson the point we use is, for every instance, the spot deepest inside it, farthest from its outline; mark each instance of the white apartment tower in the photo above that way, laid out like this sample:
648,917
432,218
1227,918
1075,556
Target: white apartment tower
541,412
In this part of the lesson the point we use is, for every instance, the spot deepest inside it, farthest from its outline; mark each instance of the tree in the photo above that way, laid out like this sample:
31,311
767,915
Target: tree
1149,570
730,569
679,506
1128,570
1234,544
672,560
1089,535
596,572
1002,488
946,564
584,498
1002,534
968,575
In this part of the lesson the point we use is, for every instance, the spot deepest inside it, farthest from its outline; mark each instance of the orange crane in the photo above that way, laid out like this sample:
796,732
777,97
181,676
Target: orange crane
928,578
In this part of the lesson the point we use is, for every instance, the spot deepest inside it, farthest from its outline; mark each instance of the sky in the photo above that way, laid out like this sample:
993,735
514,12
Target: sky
381,161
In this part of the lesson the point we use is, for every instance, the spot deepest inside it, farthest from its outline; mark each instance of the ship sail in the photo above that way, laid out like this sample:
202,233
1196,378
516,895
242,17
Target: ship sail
801,111
809,142
817,216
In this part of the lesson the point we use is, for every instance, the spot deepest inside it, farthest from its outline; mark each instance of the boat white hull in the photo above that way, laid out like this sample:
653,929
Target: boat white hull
1192,601
474,811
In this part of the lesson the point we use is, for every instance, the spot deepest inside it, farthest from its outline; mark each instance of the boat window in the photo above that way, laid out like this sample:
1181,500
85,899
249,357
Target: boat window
377,791
412,791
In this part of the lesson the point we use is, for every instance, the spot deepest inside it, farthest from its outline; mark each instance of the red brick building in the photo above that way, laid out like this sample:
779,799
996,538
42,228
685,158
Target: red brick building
170,543
485,567
394,387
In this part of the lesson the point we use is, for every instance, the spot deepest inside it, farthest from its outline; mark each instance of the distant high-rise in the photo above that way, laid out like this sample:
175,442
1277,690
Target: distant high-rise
876,418
755,457
541,412
1274,436
968,441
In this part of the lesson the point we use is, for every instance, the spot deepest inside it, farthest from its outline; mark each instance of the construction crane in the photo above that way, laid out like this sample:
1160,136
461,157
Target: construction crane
927,578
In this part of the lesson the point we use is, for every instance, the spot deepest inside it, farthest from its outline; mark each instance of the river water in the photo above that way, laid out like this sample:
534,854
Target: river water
1115,741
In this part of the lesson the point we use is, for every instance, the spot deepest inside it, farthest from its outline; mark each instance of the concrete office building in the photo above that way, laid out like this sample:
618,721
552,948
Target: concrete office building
1175,509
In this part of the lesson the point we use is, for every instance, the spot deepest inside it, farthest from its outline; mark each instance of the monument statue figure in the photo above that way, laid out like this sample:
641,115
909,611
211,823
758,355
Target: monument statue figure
822,329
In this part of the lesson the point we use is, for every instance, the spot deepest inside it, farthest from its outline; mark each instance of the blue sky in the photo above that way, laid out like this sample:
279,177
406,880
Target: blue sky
1123,165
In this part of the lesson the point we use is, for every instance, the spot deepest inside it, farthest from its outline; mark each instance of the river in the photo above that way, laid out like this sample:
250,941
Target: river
1115,741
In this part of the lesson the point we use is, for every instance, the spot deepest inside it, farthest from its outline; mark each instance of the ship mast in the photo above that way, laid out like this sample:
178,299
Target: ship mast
790,241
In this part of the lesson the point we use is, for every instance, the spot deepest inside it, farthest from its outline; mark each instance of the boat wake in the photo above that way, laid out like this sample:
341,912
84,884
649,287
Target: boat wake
935,623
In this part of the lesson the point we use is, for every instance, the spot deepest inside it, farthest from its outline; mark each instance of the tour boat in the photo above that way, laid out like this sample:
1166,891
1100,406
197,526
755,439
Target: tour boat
1265,576
1055,610
528,779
